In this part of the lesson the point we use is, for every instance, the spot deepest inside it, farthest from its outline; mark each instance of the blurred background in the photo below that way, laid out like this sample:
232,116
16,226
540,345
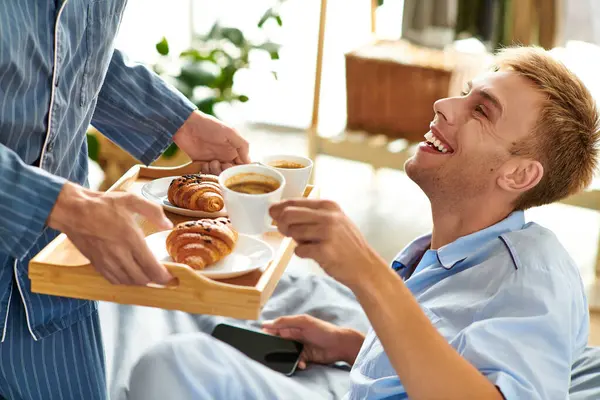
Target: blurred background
351,83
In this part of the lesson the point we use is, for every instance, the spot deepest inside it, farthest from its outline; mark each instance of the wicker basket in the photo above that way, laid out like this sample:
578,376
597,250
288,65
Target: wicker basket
391,87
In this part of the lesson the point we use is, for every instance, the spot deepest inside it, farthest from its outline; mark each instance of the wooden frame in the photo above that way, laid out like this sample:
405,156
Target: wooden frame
61,270
378,151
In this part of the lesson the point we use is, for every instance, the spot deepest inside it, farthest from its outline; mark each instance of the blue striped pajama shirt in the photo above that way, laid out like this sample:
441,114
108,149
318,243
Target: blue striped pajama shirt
59,72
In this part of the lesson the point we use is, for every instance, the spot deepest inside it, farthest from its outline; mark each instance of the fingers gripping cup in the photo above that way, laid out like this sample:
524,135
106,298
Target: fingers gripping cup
249,191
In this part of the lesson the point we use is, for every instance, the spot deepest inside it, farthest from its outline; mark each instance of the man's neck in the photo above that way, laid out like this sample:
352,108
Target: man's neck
451,223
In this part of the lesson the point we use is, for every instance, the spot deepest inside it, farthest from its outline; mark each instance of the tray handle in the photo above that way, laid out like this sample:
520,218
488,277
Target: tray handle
185,276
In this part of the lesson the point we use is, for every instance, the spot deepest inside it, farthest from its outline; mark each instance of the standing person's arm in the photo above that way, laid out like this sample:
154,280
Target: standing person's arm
110,237
27,195
32,199
143,114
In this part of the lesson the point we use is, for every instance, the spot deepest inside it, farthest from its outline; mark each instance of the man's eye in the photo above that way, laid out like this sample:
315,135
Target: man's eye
480,110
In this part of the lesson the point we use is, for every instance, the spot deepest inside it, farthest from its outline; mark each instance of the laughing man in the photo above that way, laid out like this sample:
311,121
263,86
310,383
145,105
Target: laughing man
485,307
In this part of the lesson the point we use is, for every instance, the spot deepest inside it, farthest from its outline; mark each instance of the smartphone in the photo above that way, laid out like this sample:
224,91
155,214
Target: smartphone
279,354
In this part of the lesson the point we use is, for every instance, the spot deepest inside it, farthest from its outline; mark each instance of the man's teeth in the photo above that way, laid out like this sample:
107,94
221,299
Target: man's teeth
435,142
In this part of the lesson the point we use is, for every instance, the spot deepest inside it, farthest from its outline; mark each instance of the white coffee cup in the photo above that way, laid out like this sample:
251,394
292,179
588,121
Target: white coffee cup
249,213
296,179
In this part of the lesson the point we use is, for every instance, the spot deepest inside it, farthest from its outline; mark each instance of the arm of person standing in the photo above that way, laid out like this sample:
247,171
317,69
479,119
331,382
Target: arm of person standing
32,199
27,195
143,114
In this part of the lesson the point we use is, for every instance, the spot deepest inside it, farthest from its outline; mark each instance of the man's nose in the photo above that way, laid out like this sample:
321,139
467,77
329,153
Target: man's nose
450,110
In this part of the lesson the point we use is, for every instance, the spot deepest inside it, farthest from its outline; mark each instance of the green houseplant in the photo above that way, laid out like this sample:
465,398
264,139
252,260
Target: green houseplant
205,72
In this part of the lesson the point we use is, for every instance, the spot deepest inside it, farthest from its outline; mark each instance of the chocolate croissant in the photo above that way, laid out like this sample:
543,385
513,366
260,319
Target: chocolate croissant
200,192
201,243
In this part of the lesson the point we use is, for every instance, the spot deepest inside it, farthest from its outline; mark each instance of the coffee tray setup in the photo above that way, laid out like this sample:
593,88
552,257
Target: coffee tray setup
61,270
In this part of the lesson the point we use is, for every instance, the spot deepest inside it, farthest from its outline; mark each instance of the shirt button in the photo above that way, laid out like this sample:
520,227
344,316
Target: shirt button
48,160
397,265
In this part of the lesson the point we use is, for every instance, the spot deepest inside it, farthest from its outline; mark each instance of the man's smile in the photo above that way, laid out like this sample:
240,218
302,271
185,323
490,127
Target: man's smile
435,142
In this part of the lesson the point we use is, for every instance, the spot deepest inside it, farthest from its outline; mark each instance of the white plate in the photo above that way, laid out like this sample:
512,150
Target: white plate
157,191
248,255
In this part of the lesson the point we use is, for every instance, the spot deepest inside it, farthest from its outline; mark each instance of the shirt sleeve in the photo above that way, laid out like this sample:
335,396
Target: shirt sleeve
524,338
27,196
138,110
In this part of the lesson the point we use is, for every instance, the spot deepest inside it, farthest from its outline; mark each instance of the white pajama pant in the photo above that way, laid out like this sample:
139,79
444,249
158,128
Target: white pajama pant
197,366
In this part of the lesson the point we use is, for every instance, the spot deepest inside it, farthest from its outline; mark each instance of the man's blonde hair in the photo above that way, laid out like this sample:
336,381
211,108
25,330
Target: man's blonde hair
565,137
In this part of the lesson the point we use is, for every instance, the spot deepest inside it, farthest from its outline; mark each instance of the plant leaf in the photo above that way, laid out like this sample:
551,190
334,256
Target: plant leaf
207,105
225,81
215,32
272,48
202,73
170,151
163,47
93,147
193,54
379,3
234,35
216,54
279,21
243,98
268,14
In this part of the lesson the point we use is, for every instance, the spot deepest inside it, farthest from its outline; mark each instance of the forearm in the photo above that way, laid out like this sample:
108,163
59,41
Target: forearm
351,341
138,110
72,201
27,196
413,345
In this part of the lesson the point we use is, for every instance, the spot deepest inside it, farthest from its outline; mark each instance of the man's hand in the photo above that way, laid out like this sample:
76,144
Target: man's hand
102,226
324,343
205,138
325,234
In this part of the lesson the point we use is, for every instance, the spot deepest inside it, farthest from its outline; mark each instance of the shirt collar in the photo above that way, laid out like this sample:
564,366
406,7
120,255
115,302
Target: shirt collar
462,247
411,253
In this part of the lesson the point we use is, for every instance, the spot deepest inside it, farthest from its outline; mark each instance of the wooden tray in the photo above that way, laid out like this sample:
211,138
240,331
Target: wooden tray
61,270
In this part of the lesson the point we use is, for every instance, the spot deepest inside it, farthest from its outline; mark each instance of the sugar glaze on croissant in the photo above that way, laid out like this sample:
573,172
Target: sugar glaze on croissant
199,192
201,243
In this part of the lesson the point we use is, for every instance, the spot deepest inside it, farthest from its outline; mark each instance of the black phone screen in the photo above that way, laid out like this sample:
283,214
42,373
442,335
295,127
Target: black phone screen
279,354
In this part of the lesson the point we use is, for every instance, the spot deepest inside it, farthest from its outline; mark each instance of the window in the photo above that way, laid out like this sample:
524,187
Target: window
288,100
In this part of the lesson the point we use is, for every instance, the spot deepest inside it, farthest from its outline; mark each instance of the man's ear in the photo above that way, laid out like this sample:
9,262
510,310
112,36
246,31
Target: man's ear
520,175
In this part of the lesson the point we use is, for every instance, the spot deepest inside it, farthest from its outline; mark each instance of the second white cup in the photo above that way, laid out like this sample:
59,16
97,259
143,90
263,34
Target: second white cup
249,213
296,171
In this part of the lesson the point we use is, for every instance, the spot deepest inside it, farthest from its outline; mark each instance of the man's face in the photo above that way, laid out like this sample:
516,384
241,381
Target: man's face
475,133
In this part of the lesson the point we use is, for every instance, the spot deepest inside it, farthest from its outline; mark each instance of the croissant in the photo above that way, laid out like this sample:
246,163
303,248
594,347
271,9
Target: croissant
201,243
199,192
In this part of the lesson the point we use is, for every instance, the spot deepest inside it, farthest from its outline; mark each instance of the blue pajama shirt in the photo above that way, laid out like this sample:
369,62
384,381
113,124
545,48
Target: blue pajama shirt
59,73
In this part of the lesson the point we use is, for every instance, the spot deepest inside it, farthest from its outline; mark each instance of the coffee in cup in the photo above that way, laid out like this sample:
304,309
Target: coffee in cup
295,169
249,191
286,164
250,183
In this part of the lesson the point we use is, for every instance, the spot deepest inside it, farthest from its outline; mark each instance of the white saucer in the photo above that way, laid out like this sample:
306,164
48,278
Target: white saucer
248,255
157,191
